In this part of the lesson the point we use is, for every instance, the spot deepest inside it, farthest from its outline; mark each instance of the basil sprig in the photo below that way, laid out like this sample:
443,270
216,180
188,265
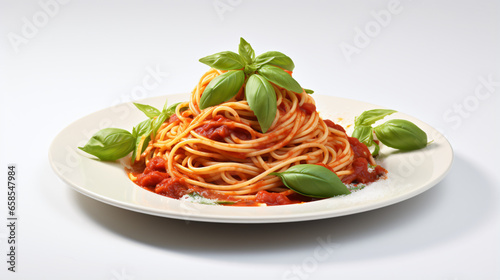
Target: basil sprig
260,71
398,134
364,133
110,144
363,127
312,180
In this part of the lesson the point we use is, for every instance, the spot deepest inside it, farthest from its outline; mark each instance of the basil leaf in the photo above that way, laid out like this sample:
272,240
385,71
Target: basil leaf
279,77
170,110
110,144
278,59
364,133
371,116
222,88
226,60
156,124
136,146
309,91
401,134
142,129
165,106
261,98
246,51
263,61
150,111
313,180
165,115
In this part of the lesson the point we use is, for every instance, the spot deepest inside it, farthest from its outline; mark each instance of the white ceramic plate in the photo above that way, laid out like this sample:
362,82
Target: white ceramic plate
410,173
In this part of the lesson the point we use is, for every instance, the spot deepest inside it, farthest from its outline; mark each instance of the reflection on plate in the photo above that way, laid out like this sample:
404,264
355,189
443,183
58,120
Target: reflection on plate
410,173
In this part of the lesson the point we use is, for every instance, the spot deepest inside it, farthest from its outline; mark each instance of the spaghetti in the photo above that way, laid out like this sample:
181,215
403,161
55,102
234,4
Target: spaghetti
220,152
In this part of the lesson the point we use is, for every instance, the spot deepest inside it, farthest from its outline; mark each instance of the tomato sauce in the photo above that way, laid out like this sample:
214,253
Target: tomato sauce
151,179
362,174
359,149
220,127
282,107
362,155
333,125
173,118
272,198
172,187
308,108
360,165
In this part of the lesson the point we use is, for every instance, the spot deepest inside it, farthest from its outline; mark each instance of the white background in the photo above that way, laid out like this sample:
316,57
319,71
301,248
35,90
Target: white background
430,59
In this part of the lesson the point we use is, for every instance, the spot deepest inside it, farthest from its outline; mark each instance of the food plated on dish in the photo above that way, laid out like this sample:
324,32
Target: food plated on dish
251,135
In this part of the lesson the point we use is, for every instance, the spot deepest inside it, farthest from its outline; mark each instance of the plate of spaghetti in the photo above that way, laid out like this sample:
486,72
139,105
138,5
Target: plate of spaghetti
250,145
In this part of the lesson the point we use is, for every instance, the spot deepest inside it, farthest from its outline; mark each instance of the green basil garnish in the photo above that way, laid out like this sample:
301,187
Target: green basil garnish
170,110
371,116
363,129
309,91
224,61
278,59
156,124
312,180
142,129
261,98
149,111
110,144
398,134
136,151
150,127
246,51
222,88
364,133
401,134
279,77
